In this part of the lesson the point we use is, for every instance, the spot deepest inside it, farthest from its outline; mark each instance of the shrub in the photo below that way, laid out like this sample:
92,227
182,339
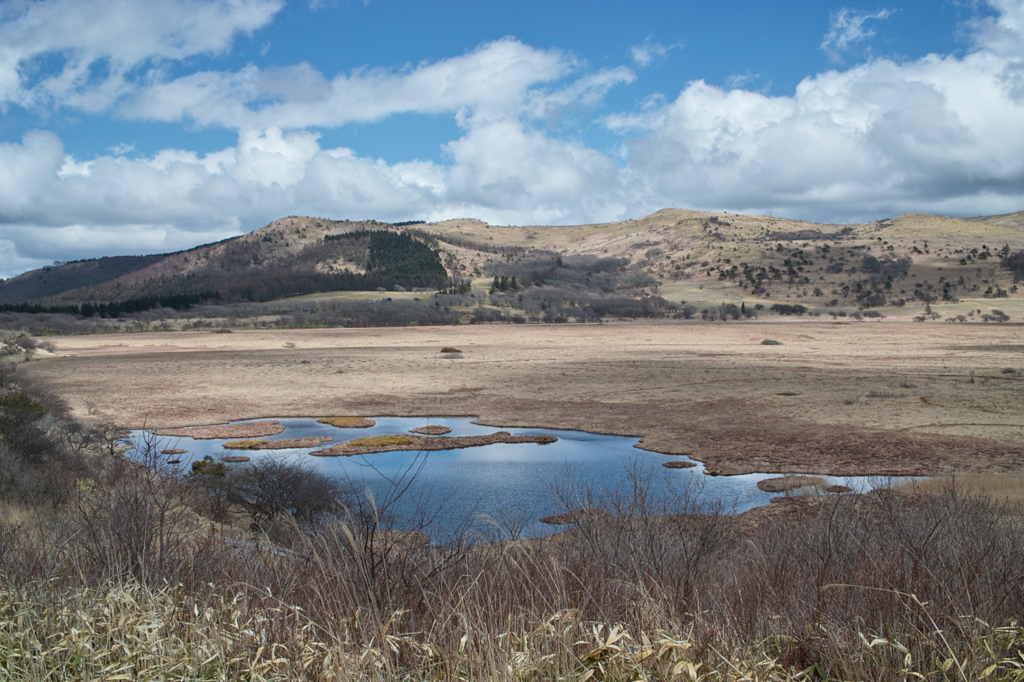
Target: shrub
787,309
272,486
771,342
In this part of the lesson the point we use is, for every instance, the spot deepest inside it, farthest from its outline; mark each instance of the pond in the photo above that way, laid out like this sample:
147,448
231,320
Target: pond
505,486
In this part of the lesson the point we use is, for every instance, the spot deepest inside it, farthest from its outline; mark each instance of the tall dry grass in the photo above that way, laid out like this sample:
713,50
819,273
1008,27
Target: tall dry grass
129,569
883,587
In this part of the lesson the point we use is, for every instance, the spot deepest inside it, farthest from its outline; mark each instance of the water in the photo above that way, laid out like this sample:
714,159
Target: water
501,486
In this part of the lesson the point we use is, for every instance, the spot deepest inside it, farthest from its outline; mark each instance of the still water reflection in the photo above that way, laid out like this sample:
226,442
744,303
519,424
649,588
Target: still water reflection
502,481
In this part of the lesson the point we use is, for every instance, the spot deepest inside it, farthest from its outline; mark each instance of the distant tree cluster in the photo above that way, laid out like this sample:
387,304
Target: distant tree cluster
1014,263
398,255
115,309
461,288
505,283
64,276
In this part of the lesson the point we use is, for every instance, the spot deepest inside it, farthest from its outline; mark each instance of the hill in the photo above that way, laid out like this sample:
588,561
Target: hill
680,256
289,257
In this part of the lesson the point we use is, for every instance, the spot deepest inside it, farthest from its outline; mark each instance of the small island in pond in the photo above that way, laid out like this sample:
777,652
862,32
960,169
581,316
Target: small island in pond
348,422
279,444
243,430
373,444
435,430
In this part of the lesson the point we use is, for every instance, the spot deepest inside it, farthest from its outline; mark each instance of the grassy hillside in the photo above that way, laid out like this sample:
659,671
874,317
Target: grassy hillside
286,258
59,278
696,258
714,258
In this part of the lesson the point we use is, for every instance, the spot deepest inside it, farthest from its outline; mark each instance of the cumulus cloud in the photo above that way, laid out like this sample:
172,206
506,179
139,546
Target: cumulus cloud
104,47
847,28
53,206
936,134
944,134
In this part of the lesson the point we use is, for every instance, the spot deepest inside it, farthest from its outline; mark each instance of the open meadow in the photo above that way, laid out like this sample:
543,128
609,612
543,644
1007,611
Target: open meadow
135,567
875,397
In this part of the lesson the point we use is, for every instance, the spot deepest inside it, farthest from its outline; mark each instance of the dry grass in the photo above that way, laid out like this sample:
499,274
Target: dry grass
677,385
137,574
381,441
372,444
1002,489
246,430
434,430
348,422
246,444
785,484
278,444
616,598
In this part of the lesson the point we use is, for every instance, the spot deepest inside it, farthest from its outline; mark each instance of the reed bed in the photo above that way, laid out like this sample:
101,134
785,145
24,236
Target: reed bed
141,569
887,586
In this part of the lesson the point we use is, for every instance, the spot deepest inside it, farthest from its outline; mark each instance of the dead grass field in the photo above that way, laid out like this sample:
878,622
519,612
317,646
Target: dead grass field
861,398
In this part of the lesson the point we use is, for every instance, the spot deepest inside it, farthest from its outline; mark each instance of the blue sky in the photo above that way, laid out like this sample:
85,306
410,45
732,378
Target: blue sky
131,126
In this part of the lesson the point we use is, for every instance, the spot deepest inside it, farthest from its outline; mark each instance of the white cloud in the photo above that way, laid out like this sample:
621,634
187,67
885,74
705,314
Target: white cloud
847,28
649,51
53,206
738,80
879,139
99,43
939,134
496,80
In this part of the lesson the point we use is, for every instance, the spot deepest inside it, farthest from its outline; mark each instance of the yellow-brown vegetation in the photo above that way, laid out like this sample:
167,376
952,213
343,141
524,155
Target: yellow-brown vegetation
246,444
381,441
348,422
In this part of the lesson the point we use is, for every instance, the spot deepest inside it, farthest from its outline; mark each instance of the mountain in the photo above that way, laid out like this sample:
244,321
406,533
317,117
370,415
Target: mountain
289,257
694,256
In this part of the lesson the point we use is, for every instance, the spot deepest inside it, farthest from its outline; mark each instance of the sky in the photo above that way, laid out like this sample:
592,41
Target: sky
145,126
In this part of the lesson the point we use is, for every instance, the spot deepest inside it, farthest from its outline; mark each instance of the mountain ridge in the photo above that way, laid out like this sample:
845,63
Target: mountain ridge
679,249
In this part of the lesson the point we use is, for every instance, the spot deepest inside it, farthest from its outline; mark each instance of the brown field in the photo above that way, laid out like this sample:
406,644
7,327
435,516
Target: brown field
880,397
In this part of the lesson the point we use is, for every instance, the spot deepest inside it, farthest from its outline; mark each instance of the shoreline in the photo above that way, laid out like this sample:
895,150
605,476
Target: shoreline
893,399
